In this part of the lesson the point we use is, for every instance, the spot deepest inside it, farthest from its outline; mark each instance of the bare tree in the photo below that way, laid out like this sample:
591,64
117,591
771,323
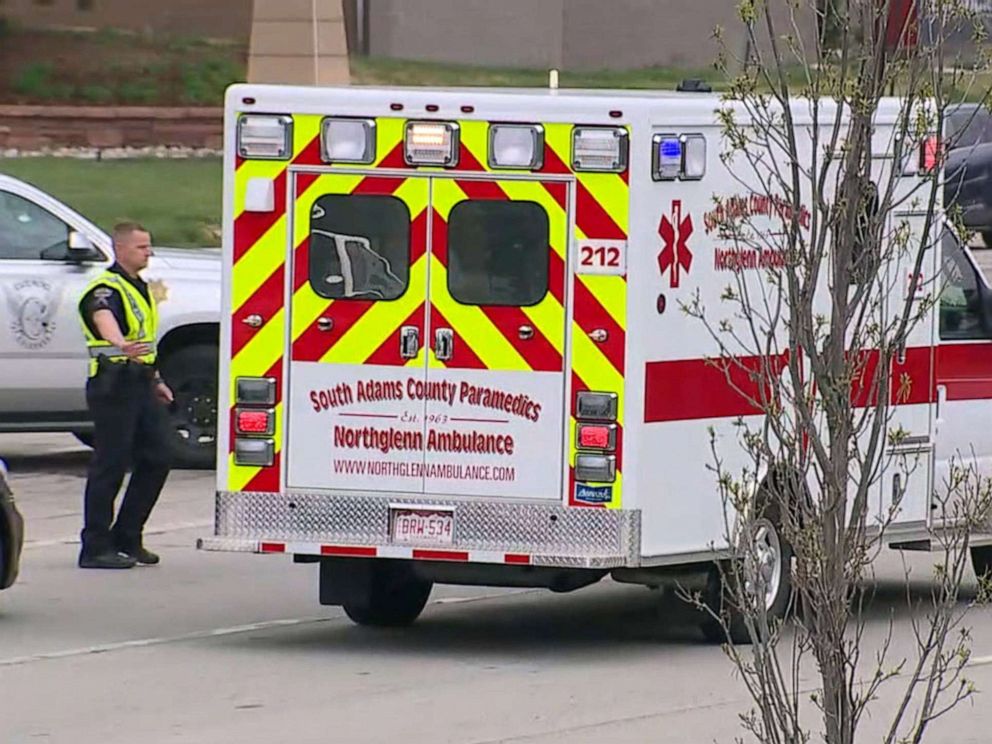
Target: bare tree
842,217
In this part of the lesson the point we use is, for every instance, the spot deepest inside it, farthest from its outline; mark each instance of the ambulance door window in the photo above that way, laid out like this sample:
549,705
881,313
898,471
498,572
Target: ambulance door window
960,300
498,253
359,247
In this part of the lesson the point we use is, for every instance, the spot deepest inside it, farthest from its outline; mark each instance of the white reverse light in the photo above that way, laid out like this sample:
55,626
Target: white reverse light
519,146
348,140
265,137
431,143
599,149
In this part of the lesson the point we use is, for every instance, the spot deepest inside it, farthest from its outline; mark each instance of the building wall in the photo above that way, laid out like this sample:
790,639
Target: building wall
504,33
570,34
223,19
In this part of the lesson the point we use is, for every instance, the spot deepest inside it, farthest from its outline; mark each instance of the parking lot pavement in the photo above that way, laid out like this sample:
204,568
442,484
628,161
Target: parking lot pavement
213,648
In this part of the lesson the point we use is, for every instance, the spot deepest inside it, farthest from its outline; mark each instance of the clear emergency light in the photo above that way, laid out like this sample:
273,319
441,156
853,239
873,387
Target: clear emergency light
519,146
596,406
347,140
602,149
256,452
265,137
595,468
256,391
431,143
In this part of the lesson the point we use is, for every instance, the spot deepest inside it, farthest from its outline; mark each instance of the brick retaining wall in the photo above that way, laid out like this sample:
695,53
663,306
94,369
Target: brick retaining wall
39,127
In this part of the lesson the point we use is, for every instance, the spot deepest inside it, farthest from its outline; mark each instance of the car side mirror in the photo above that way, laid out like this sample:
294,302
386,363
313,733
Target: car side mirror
81,248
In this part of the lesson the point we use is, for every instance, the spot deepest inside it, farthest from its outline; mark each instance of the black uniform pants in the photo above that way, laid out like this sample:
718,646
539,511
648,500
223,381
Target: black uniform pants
131,431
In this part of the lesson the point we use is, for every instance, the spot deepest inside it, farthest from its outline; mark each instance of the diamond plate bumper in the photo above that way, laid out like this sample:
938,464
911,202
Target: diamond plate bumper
549,534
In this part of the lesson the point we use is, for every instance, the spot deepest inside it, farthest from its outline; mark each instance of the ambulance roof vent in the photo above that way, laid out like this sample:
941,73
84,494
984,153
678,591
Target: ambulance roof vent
694,85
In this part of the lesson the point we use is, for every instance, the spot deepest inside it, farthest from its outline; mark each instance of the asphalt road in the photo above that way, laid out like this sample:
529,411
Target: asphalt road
219,648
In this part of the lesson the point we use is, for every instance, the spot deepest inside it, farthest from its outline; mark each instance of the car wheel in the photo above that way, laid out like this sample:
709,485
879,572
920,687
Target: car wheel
774,586
392,597
191,373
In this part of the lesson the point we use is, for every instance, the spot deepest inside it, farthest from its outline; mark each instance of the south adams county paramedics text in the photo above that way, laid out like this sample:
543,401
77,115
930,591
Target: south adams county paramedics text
373,391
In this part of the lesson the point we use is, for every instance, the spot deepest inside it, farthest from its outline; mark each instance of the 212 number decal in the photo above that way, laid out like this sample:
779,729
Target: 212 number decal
602,257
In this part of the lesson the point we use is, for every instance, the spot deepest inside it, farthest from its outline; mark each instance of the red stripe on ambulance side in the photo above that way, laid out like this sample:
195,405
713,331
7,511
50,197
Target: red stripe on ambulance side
689,389
301,264
354,551
965,370
440,555
394,159
380,186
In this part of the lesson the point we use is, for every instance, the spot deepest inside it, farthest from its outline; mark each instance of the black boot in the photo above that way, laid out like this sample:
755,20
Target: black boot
141,555
107,559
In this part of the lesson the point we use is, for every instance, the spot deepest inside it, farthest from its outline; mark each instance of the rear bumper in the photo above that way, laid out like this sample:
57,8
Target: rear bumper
358,525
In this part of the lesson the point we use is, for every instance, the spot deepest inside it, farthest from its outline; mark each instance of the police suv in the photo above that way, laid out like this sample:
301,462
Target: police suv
48,254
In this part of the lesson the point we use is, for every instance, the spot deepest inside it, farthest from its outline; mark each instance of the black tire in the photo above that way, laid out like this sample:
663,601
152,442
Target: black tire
392,597
722,596
987,238
981,561
191,373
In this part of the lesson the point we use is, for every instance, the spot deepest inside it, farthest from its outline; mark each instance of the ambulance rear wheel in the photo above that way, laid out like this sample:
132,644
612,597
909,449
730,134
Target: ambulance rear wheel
769,582
390,597
981,561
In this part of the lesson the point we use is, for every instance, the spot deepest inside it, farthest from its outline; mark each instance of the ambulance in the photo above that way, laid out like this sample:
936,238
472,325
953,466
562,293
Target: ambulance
454,348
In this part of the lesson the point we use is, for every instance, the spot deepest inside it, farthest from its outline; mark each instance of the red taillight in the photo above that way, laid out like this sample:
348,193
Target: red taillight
254,422
594,436
597,436
929,154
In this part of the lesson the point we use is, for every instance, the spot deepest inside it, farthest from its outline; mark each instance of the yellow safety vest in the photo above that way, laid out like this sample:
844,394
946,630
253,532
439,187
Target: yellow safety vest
142,321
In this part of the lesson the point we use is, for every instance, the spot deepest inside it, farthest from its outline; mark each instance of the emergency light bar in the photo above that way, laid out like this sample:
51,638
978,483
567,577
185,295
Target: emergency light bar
678,157
519,146
431,143
265,137
347,140
602,149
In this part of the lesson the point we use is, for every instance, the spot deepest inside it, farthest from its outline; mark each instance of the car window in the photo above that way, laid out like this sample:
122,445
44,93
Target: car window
29,232
960,302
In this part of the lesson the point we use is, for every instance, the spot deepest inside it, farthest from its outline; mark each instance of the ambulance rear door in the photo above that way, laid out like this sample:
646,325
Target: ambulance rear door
495,414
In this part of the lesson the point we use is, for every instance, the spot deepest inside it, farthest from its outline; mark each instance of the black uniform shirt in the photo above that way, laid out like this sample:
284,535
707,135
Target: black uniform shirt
108,298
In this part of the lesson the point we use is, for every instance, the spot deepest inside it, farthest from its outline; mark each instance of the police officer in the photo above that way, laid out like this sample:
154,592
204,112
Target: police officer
127,400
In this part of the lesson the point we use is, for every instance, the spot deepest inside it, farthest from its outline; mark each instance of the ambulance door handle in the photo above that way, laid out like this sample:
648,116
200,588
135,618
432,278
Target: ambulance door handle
525,332
409,342
444,344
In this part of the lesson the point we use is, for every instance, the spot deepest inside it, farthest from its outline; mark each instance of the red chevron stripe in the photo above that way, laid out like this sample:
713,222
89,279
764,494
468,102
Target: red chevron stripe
265,301
314,343
301,263
591,315
558,191
463,357
553,163
418,237
388,353
378,186
394,159
537,351
249,227
556,276
487,190
592,219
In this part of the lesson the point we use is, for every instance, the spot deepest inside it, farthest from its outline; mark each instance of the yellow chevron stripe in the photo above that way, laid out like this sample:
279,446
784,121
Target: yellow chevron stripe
475,137
469,322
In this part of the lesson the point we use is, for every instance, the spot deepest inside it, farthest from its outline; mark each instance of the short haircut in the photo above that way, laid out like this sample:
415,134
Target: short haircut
124,229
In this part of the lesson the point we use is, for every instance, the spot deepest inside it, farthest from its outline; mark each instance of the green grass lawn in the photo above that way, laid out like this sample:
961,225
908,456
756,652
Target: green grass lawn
178,200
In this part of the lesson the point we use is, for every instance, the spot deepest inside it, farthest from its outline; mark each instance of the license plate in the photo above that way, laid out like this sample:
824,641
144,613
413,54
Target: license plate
423,527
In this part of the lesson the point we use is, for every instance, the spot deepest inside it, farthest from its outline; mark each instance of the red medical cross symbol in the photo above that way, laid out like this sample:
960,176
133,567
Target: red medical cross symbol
676,253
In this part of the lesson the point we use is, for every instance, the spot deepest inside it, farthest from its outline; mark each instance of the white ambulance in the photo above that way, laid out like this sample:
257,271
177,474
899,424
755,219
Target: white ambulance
453,349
